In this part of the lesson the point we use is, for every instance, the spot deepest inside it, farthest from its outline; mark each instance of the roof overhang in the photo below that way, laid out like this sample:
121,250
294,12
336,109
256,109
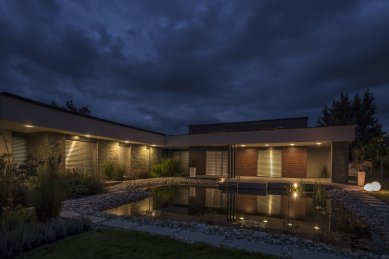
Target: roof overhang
304,135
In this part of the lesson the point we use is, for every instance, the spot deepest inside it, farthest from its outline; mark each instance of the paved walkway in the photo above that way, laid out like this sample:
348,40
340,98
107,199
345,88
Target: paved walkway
372,201
193,237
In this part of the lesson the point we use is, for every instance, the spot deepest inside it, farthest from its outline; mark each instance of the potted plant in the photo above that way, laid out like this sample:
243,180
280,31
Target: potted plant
359,164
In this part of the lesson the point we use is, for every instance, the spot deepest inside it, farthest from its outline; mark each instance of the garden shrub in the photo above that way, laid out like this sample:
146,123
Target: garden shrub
33,234
114,170
324,173
48,193
167,168
78,183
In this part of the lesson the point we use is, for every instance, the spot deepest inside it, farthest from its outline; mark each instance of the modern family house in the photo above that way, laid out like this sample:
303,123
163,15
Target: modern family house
268,148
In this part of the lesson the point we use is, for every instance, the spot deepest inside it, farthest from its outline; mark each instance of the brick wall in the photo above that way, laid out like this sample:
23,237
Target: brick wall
294,162
340,159
197,159
246,161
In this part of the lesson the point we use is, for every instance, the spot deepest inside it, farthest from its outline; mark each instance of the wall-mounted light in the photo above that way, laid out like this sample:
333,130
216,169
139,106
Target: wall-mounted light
29,126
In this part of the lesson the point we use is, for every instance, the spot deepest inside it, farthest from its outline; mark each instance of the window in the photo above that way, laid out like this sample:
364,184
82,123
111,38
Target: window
269,162
217,163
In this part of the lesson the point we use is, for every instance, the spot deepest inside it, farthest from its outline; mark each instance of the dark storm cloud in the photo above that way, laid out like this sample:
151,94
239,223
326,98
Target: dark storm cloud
165,64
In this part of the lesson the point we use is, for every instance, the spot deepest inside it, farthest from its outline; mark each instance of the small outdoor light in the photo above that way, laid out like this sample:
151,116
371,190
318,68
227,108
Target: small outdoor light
87,135
153,145
290,224
368,187
29,126
376,186
316,227
318,143
295,185
241,218
243,145
292,144
264,221
267,145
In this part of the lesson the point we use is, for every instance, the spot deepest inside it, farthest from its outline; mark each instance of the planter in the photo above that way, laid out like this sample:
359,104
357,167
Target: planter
361,178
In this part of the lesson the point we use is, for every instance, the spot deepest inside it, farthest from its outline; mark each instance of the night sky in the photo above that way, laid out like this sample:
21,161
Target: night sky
162,65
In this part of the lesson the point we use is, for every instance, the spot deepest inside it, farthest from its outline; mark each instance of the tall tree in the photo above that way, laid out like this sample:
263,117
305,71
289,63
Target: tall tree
361,112
70,106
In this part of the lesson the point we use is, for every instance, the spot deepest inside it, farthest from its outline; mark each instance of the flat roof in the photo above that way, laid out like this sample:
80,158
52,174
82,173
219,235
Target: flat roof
249,122
74,113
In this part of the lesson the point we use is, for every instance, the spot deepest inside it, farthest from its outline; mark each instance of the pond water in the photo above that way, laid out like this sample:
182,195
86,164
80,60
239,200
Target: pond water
293,211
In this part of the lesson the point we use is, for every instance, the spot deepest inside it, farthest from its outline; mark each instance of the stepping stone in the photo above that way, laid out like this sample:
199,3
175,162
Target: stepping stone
69,214
163,231
255,247
298,253
116,223
96,220
195,237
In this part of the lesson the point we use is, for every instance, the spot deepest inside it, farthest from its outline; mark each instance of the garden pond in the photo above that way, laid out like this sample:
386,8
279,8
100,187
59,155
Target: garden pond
308,214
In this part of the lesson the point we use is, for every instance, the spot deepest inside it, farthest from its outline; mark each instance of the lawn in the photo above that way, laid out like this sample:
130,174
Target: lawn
125,244
383,194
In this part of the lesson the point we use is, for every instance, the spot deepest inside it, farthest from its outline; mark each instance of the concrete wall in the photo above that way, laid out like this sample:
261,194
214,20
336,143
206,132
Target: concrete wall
8,139
246,161
340,159
317,158
47,144
294,162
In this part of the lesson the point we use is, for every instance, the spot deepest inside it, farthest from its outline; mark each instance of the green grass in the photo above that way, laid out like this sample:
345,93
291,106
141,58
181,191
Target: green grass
124,244
383,194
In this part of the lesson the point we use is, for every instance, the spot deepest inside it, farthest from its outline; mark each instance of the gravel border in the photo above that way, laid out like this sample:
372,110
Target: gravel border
134,190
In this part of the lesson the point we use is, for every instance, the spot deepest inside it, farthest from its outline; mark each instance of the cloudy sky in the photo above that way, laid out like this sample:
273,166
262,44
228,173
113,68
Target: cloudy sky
163,65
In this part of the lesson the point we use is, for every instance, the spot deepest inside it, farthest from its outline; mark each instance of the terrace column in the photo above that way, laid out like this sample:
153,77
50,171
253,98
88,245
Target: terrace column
340,160
231,161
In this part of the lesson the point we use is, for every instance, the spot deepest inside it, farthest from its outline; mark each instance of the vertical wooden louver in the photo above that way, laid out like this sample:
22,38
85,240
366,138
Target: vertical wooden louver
19,149
81,155
269,162
217,163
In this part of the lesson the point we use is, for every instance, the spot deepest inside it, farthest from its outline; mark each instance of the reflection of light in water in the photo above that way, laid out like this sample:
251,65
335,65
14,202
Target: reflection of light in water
270,203
290,224
264,221
316,227
271,163
241,218
295,195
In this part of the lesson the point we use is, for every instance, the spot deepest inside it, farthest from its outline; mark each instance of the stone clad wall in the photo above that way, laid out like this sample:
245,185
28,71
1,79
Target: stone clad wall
47,144
107,151
8,138
143,158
